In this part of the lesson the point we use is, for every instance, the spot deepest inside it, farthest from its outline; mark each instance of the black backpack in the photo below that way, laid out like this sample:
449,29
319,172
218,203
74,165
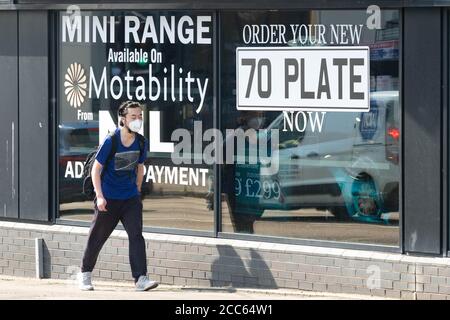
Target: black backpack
88,186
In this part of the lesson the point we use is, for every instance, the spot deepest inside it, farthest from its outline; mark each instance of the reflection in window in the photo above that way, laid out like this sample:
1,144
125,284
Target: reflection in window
168,200
338,176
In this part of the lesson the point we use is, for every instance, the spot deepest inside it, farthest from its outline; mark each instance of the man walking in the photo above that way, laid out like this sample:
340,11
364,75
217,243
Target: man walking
117,191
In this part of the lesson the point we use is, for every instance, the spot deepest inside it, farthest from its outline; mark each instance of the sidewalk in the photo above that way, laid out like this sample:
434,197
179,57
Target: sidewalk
26,288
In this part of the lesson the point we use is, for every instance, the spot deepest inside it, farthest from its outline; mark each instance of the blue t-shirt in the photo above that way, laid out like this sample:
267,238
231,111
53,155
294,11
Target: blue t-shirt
119,177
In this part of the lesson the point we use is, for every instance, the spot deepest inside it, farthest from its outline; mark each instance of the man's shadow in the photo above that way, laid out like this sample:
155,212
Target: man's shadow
230,271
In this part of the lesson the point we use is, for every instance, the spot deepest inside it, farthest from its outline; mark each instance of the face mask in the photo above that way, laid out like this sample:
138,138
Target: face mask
256,123
135,125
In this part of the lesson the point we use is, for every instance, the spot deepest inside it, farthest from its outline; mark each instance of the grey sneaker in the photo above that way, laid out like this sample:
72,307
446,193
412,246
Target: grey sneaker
85,281
144,284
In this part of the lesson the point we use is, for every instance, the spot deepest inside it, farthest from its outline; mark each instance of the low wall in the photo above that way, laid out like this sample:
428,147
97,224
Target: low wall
210,262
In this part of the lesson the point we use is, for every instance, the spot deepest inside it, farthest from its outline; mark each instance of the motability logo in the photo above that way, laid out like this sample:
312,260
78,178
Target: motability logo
160,83
75,85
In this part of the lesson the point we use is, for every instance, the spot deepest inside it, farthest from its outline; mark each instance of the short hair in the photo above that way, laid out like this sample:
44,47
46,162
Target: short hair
124,106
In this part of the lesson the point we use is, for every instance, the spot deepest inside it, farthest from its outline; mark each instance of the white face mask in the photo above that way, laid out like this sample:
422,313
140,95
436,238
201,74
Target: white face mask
135,125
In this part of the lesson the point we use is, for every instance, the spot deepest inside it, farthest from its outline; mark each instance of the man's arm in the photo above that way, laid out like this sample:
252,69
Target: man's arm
96,181
140,176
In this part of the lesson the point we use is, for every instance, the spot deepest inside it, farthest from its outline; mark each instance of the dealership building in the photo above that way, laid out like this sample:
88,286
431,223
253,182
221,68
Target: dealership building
292,144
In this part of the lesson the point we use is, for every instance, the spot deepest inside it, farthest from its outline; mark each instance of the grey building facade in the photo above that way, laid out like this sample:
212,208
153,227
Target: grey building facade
356,193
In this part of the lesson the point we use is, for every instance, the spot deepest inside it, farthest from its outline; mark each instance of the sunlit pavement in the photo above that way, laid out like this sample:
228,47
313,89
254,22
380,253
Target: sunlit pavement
51,289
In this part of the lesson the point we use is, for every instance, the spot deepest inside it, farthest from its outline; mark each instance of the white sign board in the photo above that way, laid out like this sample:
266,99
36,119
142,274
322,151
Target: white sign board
306,78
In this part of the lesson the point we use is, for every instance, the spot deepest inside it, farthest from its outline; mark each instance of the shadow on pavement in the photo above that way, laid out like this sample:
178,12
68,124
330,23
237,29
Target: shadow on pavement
229,270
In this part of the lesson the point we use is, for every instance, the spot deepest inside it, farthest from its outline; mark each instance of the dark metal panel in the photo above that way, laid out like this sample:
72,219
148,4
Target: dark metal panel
445,140
217,125
402,108
33,116
422,130
218,4
9,112
255,3
53,107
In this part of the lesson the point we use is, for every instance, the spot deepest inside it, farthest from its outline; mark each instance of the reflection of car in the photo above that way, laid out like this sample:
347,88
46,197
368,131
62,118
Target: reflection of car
351,167
76,141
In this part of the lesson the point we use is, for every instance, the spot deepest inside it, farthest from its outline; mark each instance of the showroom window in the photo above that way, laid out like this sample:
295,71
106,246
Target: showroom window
338,171
162,59
309,133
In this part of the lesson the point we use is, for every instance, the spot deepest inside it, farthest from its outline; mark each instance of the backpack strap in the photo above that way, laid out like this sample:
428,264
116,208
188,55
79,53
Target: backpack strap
141,140
113,150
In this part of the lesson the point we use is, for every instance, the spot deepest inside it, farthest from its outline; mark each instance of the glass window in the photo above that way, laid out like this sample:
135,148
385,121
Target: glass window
338,173
162,59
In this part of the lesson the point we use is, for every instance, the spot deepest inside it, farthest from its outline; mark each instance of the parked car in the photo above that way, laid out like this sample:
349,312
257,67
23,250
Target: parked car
350,168
76,141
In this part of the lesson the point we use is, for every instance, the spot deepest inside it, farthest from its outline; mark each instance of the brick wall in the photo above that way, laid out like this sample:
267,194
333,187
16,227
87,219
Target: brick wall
205,262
